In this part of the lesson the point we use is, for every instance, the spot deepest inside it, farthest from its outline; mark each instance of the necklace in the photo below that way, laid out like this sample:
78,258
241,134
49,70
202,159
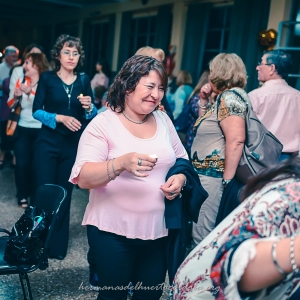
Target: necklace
69,92
32,85
67,89
135,121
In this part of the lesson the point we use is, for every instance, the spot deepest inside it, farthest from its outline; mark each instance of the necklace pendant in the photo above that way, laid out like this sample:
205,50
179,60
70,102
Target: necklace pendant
69,95
67,90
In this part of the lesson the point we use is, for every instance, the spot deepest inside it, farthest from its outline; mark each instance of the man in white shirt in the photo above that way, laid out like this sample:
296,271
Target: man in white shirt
276,104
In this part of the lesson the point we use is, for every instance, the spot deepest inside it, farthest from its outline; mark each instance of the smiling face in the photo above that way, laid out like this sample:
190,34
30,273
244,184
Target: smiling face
147,94
30,69
69,57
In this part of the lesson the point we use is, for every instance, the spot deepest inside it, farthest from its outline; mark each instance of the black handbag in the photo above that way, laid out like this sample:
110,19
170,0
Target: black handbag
25,244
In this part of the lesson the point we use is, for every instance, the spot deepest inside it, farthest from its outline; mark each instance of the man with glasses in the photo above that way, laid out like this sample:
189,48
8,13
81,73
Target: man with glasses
276,104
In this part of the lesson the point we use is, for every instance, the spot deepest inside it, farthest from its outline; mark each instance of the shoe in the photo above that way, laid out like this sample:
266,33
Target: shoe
23,203
94,282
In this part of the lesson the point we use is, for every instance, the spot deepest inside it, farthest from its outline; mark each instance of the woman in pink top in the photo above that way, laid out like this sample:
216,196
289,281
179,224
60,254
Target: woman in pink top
102,77
124,156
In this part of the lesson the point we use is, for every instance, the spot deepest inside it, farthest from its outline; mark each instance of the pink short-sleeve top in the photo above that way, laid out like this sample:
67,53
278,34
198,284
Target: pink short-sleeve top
129,206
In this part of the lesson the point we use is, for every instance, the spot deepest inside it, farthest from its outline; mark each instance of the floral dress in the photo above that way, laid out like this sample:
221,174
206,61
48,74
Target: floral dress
212,270
208,155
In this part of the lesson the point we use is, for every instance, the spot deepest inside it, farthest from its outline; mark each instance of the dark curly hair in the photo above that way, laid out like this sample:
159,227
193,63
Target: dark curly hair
285,169
129,76
69,41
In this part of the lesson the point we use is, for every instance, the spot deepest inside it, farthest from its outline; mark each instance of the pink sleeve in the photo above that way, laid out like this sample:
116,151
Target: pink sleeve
94,82
176,143
254,101
92,147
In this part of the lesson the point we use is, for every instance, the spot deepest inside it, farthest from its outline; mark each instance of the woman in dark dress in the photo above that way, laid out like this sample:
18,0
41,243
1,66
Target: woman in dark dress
63,103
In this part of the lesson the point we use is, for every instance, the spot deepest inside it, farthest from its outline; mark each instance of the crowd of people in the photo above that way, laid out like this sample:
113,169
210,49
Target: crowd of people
158,157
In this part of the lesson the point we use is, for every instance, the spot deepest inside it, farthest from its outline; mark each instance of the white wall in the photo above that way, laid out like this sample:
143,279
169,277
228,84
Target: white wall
279,11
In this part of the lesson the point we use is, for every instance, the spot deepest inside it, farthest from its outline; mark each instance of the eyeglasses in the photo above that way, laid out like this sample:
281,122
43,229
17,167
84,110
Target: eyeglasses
261,64
68,53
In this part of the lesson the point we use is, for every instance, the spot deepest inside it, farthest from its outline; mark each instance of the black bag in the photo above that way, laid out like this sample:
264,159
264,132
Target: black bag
26,240
261,149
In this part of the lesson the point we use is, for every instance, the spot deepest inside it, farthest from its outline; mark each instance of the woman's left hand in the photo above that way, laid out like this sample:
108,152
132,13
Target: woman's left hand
173,186
25,89
85,101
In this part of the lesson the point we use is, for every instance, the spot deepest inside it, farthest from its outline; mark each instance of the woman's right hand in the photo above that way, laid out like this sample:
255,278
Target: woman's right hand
18,92
70,122
136,163
205,91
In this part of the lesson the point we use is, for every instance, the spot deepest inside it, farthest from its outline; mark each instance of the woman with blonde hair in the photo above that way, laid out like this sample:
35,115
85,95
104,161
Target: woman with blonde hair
219,135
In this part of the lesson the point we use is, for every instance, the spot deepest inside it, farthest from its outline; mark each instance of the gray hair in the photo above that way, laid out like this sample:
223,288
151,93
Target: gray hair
10,49
281,60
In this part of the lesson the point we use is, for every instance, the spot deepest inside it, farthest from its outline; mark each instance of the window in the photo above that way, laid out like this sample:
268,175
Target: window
142,33
98,39
217,34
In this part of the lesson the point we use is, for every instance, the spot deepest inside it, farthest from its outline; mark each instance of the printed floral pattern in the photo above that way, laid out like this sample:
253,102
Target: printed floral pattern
271,212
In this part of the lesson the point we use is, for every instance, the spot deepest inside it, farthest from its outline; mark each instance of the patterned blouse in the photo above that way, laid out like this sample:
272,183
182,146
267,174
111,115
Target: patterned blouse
208,149
213,269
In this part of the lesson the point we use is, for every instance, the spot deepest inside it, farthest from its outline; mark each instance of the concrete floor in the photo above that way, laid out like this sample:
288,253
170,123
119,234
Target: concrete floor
63,279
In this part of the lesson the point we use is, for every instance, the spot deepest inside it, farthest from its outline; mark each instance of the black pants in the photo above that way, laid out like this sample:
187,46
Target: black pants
54,158
120,260
6,141
24,171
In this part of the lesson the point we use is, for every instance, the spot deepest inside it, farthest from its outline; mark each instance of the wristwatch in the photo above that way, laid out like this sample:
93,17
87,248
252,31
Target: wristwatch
225,182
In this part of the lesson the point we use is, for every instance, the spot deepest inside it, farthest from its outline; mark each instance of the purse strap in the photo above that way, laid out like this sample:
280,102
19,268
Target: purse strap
4,231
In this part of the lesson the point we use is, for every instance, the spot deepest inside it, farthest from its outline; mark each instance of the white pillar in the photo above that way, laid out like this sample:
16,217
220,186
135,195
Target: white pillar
178,29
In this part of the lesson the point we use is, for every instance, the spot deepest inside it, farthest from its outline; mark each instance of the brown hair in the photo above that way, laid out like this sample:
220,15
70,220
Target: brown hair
184,77
69,41
129,76
287,168
227,71
39,60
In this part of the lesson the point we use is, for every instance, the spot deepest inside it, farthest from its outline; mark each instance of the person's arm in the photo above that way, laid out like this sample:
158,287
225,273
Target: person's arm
92,168
257,277
231,115
233,128
203,102
16,74
94,174
91,110
179,98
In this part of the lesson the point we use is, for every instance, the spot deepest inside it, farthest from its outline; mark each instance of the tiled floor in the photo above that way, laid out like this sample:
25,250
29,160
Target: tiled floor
63,280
